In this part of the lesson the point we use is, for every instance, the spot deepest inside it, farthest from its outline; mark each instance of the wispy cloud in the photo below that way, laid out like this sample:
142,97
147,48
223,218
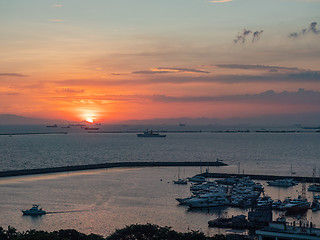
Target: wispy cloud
13,75
221,1
69,90
55,20
256,67
150,72
160,70
190,70
57,5
260,74
9,93
272,77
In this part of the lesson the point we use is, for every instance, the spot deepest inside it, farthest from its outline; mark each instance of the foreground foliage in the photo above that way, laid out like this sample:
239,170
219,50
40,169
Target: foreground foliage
132,232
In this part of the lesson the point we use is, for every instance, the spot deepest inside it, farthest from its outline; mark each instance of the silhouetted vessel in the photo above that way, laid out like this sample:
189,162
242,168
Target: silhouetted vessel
150,134
35,210
282,183
52,126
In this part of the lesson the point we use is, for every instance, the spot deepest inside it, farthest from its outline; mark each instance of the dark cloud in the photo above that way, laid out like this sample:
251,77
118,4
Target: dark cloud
311,29
13,75
256,67
151,72
307,75
69,90
300,97
273,74
232,79
9,93
242,36
256,35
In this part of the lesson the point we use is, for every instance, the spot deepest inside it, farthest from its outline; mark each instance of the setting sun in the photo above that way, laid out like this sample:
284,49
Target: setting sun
89,120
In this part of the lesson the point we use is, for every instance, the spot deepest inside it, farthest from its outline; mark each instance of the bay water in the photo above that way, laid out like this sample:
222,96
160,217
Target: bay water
103,200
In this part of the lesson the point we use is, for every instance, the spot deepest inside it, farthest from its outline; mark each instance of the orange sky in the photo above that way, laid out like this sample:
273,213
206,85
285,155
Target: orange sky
74,60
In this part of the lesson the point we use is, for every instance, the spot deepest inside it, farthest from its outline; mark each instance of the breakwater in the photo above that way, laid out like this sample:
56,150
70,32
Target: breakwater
107,165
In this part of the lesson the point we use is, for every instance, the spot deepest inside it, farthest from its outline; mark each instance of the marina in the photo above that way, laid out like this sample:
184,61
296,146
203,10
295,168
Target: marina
123,192
119,178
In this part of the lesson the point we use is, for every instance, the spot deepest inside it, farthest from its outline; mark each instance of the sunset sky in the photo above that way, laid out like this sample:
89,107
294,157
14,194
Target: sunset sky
113,60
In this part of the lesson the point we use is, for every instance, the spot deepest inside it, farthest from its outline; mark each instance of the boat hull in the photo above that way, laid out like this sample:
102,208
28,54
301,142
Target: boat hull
33,213
150,136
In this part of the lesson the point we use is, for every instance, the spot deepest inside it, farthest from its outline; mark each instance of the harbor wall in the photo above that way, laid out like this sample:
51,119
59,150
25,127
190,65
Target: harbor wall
106,165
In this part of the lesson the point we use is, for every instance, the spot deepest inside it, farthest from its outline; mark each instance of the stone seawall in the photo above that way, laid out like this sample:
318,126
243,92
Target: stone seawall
106,165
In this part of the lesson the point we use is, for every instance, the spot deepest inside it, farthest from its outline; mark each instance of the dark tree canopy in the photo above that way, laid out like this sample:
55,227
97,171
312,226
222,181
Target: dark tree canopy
132,232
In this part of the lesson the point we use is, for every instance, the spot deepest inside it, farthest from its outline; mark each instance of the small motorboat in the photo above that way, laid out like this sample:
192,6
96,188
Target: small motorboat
35,210
197,178
181,181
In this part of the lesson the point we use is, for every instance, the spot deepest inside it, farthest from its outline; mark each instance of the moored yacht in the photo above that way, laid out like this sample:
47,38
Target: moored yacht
181,181
212,201
197,178
282,182
297,205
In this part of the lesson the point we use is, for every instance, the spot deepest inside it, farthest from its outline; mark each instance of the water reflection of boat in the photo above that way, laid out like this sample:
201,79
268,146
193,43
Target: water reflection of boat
150,134
35,210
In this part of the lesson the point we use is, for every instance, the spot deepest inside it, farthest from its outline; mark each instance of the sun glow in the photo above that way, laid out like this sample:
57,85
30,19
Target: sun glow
89,120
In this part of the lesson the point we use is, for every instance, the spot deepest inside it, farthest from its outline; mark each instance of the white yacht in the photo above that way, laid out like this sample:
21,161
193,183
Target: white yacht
181,181
197,178
213,201
282,182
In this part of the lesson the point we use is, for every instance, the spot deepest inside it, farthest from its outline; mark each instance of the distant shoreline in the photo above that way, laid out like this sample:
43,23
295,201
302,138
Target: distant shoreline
310,130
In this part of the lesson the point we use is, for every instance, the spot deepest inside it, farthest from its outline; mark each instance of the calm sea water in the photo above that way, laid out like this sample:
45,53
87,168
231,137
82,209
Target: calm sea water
103,200
271,153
